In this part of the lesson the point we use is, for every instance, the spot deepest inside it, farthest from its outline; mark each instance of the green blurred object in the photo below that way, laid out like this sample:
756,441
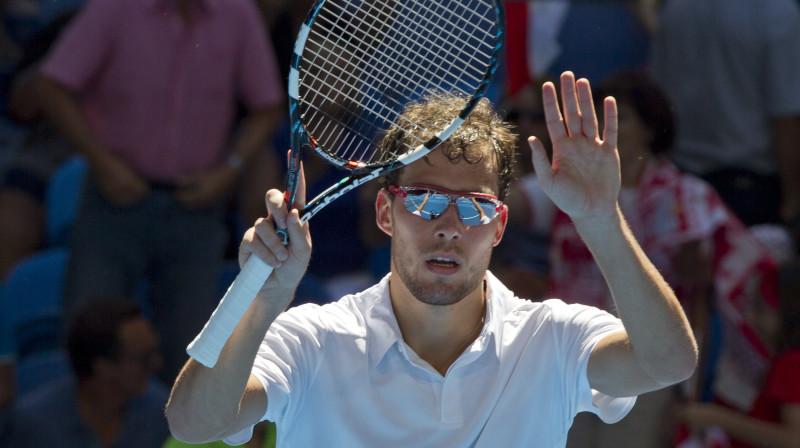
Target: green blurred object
269,436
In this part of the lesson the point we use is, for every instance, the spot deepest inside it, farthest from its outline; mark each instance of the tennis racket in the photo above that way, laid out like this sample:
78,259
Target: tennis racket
356,65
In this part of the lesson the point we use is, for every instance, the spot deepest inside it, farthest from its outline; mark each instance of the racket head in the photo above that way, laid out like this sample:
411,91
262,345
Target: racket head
357,64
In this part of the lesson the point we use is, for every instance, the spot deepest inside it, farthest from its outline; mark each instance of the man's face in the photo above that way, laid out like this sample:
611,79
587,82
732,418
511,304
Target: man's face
442,260
138,358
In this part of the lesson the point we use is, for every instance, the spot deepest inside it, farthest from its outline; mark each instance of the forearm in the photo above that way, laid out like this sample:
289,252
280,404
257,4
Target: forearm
207,404
62,108
755,432
656,325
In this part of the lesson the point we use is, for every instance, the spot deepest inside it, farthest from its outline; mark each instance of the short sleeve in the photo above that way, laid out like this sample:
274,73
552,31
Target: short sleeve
259,79
81,50
582,328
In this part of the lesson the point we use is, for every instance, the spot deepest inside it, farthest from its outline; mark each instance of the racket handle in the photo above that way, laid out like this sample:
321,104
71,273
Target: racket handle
207,346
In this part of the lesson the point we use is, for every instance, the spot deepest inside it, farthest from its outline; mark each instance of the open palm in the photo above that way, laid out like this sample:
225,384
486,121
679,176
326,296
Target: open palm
583,179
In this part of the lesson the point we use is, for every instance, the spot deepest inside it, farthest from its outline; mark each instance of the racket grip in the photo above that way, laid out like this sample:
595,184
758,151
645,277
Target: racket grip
207,346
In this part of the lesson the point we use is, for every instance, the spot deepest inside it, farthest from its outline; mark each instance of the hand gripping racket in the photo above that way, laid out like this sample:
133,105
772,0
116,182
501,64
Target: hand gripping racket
356,65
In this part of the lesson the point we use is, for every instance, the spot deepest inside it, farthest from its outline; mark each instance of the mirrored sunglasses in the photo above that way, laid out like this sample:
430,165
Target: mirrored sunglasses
429,203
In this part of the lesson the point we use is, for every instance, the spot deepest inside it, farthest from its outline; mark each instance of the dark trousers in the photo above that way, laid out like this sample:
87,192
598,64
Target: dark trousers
155,251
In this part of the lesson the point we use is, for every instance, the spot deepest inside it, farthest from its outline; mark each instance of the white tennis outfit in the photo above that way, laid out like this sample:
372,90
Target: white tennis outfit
340,375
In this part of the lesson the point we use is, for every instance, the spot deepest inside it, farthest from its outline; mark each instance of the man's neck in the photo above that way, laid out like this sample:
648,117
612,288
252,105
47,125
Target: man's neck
438,333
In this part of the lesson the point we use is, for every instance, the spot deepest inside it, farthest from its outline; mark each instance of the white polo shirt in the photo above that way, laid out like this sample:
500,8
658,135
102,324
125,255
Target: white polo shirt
340,375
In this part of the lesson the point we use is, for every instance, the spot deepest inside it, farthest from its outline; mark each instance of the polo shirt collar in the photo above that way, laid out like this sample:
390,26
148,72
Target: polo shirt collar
383,332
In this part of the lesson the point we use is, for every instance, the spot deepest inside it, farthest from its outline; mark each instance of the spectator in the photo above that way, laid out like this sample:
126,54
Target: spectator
743,138
112,400
774,419
741,57
440,352
147,91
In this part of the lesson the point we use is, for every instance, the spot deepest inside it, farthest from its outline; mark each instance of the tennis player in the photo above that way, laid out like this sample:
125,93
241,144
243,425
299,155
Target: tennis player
439,352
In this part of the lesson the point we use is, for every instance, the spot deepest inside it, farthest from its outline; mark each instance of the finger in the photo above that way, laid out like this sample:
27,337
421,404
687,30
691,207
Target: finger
276,207
298,234
268,245
541,163
588,115
552,113
244,248
572,112
253,243
611,127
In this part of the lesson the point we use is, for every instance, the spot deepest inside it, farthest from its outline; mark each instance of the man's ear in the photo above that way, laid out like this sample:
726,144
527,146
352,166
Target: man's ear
383,211
501,228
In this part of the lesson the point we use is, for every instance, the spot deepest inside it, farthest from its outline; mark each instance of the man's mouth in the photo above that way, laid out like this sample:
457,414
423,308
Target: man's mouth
443,261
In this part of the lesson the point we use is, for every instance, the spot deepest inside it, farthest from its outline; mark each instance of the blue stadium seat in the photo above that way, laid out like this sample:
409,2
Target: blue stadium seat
61,202
33,294
41,368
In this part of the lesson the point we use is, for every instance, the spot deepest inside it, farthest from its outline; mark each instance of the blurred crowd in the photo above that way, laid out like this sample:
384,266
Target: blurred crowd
138,137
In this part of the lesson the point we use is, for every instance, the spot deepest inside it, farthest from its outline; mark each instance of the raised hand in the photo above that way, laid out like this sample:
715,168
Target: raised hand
583,179
290,261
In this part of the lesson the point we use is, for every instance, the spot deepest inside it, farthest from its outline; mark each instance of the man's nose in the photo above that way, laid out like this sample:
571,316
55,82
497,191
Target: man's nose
448,225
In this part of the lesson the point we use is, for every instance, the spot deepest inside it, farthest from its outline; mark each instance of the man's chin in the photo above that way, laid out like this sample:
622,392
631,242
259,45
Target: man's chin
439,293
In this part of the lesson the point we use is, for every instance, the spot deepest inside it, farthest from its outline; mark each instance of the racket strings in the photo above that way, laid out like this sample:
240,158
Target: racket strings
354,49
373,111
353,65
361,67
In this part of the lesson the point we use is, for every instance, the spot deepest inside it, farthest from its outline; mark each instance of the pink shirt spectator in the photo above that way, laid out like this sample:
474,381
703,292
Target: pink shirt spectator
162,93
